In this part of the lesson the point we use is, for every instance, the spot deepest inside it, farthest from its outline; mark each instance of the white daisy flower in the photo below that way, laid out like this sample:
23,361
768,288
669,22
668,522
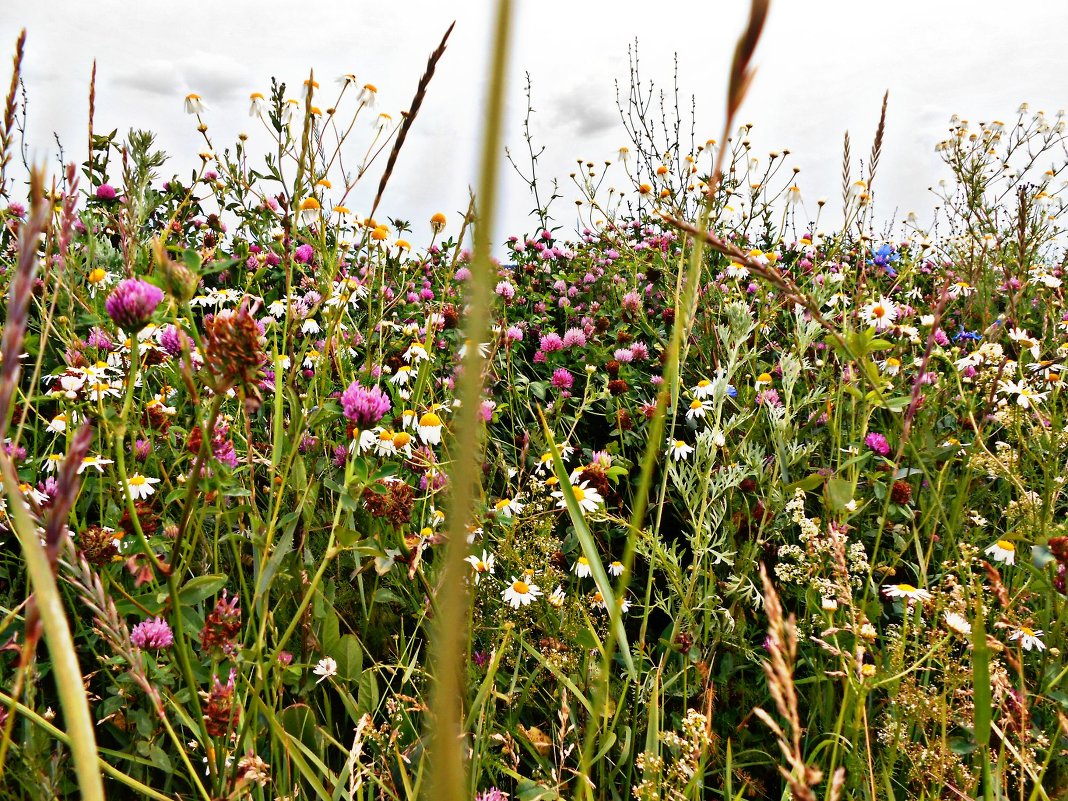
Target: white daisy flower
1028,638
141,486
699,408
588,498
325,669
958,623
881,313
615,569
679,449
483,564
906,591
1003,551
703,389
429,428
520,593
581,568
93,461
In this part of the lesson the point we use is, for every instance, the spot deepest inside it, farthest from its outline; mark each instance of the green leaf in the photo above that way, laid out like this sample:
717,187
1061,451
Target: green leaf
349,657
201,587
839,493
984,707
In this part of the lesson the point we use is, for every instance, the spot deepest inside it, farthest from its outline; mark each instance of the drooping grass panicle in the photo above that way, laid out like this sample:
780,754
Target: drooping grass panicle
10,109
847,167
20,295
741,72
781,645
877,144
409,118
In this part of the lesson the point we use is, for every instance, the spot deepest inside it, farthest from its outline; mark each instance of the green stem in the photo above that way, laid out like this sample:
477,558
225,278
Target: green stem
68,673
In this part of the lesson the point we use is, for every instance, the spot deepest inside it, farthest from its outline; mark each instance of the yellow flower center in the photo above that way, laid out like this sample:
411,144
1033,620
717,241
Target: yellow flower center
1005,545
429,420
97,275
580,494
906,588
520,587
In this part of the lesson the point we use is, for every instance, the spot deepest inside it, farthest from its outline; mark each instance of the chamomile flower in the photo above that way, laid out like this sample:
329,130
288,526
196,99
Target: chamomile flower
60,422
557,597
1028,638
257,105
416,353
703,389
52,462
481,565
906,591
699,408
880,313
325,669
508,507
93,461
679,449
1025,396
615,569
1003,551
193,104
589,499
958,623
429,428
402,376
141,486
581,568
520,592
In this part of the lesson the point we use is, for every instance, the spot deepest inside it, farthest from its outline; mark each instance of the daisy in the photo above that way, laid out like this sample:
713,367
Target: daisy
141,486
193,104
402,443
52,462
615,568
906,591
557,597
93,461
958,623
325,669
402,376
881,313
257,106
679,449
698,409
416,353
1003,551
588,498
581,568
483,564
508,507
1025,396
890,365
1029,638
703,389
384,443
429,428
520,593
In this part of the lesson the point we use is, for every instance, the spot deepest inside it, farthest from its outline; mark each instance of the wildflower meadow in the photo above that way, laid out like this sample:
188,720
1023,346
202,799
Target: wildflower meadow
699,489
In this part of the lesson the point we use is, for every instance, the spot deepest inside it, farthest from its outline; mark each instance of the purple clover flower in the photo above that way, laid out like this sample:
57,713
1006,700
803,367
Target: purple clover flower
364,406
132,302
562,379
877,442
152,634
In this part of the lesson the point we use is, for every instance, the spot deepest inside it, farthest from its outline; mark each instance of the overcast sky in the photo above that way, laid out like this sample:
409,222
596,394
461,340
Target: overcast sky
823,66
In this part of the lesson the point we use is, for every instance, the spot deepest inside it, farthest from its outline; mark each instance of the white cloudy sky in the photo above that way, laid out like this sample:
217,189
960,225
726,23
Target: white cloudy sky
823,66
